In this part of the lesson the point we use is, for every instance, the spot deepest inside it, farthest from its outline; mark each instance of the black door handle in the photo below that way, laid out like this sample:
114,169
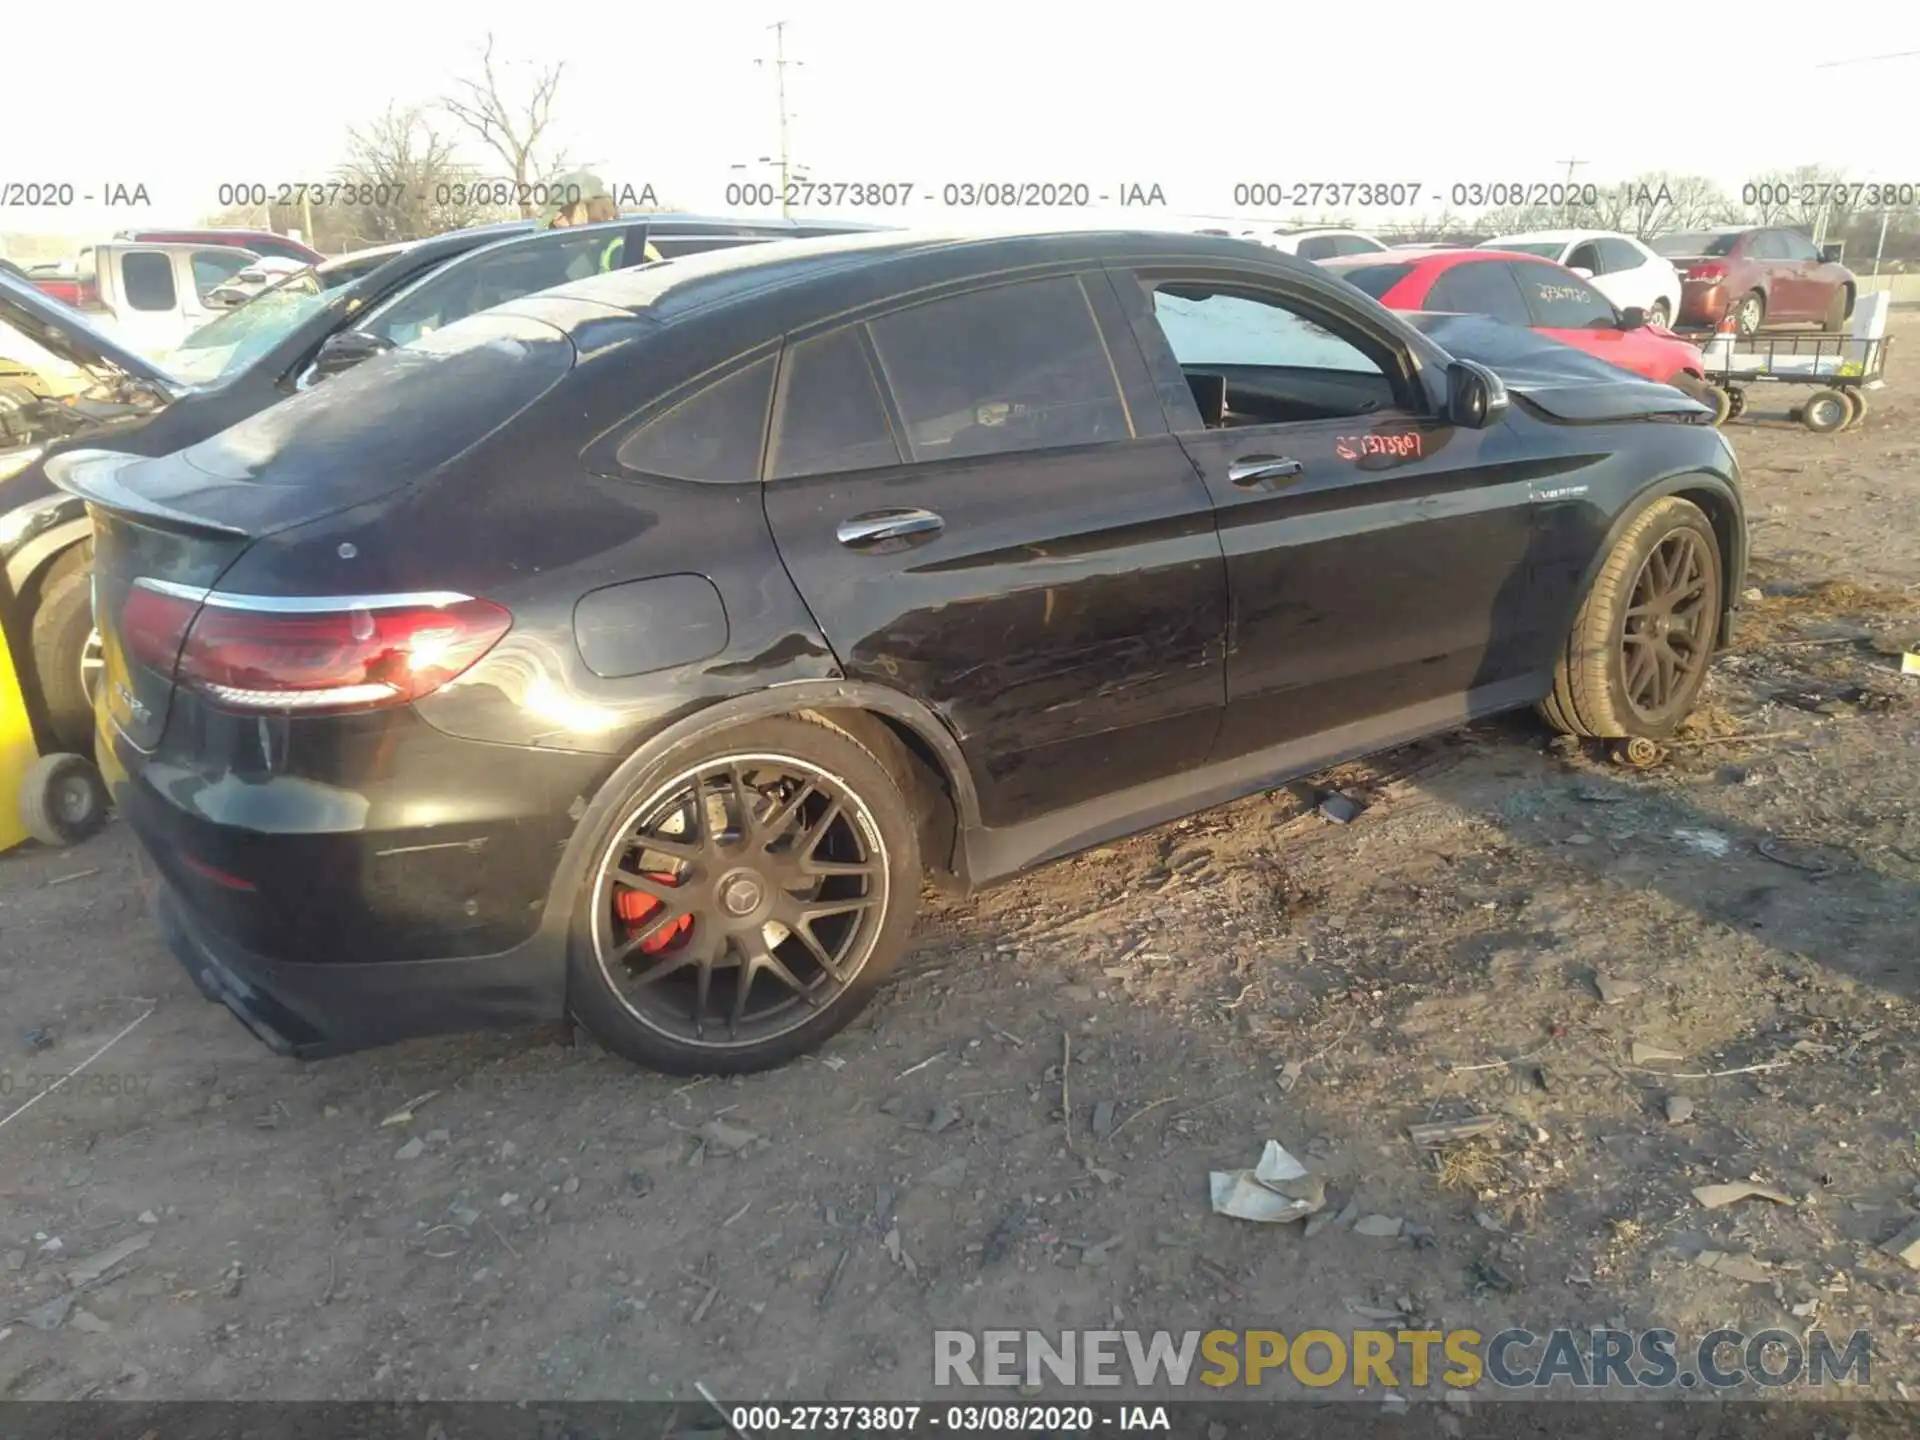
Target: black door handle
1251,470
878,525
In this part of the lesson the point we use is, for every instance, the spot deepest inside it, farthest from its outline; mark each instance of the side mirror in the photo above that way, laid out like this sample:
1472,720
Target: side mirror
1831,254
1581,271
1476,397
1633,318
346,350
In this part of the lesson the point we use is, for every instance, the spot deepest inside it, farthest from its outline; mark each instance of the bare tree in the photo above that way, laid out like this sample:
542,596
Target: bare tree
400,181
513,130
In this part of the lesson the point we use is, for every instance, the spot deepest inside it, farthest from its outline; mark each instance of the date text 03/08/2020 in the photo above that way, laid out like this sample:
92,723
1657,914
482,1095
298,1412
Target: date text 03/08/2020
955,194
381,194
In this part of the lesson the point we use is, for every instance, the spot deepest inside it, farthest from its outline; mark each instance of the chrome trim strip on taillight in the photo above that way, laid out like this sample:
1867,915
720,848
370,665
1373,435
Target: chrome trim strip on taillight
306,604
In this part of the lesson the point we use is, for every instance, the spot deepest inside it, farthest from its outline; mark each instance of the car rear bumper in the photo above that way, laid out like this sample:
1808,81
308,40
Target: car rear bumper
334,917
1703,304
311,1011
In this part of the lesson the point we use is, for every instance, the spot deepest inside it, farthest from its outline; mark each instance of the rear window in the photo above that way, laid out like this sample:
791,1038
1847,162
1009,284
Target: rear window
1374,280
1696,242
397,416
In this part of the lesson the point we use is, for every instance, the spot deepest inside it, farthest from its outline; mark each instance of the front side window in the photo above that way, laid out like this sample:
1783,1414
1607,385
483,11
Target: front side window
1318,247
1586,256
1618,255
1356,245
212,268
991,372
467,287
147,276
831,415
1219,329
1483,287
715,434
1561,300
1797,246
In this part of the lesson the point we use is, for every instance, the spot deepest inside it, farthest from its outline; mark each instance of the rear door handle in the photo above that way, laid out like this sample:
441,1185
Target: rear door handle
878,525
1254,470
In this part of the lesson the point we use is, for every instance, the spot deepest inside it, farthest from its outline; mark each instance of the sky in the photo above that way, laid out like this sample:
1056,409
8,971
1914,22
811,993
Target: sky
1195,101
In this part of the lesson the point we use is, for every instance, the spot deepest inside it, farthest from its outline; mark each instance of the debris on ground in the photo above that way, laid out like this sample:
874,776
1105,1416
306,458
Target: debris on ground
86,1271
1734,1266
1706,842
412,1150
731,1139
1275,1191
1447,1132
38,1038
1340,809
1612,991
1714,1197
1679,1109
405,1113
1381,1227
1646,1054
1905,1247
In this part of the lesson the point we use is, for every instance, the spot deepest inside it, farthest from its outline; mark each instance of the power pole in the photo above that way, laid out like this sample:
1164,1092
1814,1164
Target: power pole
779,28
1568,201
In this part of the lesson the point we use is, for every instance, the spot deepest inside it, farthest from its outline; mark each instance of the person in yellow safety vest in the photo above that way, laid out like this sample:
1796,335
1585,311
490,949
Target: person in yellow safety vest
581,199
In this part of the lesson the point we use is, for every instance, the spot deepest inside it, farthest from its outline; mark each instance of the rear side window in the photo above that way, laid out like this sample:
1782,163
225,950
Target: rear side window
831,416
1318,247
1356,245
147,276
1375,280
714,434
1482,288
1768,245
1586,256
1562,301
991,372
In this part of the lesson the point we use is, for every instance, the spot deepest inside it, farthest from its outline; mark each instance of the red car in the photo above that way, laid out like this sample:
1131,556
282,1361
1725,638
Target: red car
1527,291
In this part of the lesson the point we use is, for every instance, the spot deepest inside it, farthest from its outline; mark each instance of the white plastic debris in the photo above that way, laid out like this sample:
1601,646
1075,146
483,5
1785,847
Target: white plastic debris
1275,1191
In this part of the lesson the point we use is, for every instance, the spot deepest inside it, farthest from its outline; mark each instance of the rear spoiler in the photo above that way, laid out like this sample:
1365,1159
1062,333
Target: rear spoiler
95,476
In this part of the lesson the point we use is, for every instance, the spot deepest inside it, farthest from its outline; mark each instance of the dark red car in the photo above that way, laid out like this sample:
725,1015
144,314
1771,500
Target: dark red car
1759,275
260,242
1527,291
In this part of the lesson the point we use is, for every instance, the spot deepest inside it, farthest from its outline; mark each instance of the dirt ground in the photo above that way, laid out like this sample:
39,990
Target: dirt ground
553,1223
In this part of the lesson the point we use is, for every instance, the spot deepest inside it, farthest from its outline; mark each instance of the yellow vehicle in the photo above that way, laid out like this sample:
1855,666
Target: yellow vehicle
55,799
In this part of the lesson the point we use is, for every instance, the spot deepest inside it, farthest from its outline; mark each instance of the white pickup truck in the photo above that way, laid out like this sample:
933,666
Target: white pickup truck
148,296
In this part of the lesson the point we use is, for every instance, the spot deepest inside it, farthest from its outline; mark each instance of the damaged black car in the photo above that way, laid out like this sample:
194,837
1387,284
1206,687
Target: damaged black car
633,651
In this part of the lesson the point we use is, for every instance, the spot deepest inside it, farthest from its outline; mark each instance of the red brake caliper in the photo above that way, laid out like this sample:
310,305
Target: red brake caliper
636,907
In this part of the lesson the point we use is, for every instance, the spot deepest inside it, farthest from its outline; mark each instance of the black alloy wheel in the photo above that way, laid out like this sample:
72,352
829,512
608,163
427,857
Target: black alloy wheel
1666,638
745,905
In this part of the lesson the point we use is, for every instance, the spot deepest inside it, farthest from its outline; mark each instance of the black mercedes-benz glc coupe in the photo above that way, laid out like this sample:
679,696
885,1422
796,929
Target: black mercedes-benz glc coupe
633,651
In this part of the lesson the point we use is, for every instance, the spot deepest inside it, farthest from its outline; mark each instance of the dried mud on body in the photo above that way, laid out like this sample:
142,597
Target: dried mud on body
1649,982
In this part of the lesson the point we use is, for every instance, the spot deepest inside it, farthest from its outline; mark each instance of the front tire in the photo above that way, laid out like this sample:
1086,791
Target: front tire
62,625
1640,647
1751,313
746,901
1660,314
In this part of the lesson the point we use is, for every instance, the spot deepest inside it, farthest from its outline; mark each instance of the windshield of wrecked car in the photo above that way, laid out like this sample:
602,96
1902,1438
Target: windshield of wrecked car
225,346
1696,242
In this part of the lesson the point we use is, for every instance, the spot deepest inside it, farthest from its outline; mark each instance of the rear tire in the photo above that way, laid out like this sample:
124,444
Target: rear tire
1826,411
63,800
660,986
1659,314
62,623
1658,591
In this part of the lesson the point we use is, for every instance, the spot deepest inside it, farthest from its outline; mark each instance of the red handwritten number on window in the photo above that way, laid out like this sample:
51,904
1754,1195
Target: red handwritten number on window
1355,447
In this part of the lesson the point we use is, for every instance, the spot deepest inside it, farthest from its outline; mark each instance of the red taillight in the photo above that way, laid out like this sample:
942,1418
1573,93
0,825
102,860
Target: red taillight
311,655
152,625
1706,274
